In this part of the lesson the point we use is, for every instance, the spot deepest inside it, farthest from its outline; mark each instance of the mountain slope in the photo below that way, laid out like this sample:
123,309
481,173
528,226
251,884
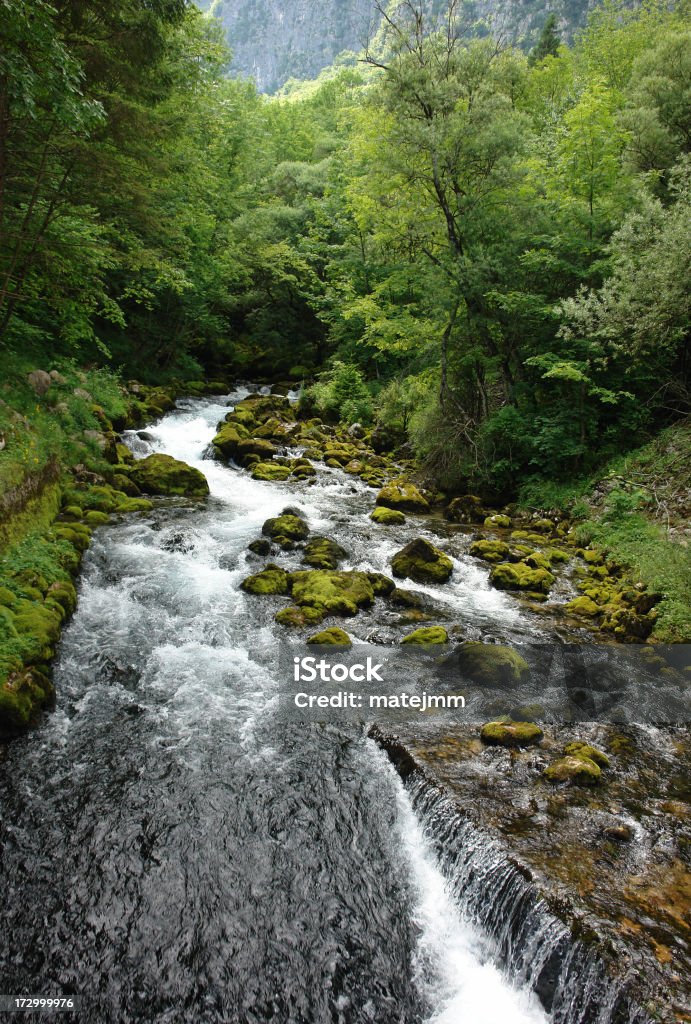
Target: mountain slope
273,40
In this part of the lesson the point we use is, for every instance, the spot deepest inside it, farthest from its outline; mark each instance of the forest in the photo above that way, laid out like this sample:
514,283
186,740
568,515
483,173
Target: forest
480,250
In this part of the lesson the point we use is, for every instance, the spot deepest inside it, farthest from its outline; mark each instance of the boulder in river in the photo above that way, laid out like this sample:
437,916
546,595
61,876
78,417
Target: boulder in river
162,474
520,576
402,496
381,584
423,562
498,521
492,664
272,471
286,525
297,617
580,770
427,636
323,553
332,593
490,550
227,440
332,637
271,580
511,734
466,509
387,516
580,749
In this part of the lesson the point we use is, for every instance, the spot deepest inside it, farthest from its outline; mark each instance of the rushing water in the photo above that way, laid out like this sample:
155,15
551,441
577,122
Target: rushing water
169,855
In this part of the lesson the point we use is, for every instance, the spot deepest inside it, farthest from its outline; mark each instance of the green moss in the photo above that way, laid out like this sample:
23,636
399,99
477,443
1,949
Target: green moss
492,664
286,525
162,474
271,580
387,516
423,562
583,606
402,496
134,505
228,438
94,518
381,584
427,636
520,576
271,471
499,522
511,734
580,749
332,593
333,637
490,550
580,770
465,509
298,617
322,553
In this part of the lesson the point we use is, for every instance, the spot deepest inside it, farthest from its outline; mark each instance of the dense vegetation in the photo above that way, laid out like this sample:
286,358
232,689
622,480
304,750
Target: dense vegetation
485,250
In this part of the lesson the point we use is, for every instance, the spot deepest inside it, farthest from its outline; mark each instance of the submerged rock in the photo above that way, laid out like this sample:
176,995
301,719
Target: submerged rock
162,474
423,562
260,547
492,664
403,497
511,734
298,617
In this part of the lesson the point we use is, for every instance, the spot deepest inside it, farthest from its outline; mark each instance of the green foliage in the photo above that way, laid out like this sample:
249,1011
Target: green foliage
342,392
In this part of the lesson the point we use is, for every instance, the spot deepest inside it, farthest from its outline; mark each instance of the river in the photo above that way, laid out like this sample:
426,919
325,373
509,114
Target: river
170,855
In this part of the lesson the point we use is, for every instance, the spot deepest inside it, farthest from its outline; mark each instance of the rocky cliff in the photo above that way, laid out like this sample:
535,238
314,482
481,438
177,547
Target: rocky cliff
273,40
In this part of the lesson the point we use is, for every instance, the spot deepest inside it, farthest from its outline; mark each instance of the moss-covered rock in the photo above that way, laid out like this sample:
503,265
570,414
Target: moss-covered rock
271,580
323,553
254,446
542,525
427,636
296,617
270,471
134,505
492,664
94,518
405,598
387,516
65,594
260,547
228,438
580,749
591,556
465,509
511,734
332,593
381,584
490,550
286,525
402,496
498,521
583,606
332,637
22,694
162,474
123,483
519,576
423,562
527,536
580,770
39,629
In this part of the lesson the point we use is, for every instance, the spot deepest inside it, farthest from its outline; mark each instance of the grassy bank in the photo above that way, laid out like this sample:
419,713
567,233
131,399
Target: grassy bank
639,510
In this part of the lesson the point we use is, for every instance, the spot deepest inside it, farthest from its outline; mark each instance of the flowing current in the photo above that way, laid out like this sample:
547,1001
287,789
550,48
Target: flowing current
170,855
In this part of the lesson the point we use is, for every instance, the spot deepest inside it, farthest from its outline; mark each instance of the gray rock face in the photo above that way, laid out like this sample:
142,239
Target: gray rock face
274,40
